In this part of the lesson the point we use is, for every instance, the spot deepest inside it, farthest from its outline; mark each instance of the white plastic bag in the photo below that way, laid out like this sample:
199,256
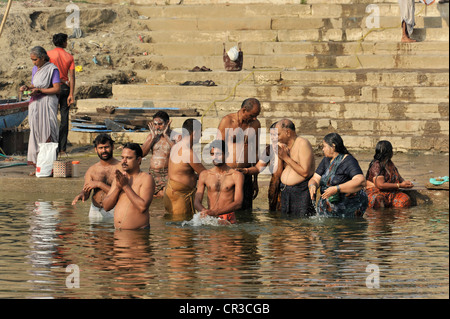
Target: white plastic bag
46,156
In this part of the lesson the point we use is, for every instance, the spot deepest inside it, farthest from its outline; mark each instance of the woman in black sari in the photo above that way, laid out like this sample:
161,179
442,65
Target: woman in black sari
341,181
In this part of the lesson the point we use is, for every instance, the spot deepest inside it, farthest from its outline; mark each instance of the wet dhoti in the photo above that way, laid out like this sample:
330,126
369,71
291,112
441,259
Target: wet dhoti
296,201
161,177
179,198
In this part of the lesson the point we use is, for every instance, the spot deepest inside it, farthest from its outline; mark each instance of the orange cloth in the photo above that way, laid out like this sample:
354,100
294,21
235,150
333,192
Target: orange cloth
179,199
231,217
63,60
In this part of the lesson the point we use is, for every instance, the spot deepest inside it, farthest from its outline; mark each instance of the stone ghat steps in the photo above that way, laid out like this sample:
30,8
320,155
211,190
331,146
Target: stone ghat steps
246,10
203,2
324,93
215,48
366,77
300,61
290,109
207,23
353,34
353,141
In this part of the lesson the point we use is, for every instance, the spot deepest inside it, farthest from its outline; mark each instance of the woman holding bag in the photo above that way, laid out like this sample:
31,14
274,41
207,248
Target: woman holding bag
43,107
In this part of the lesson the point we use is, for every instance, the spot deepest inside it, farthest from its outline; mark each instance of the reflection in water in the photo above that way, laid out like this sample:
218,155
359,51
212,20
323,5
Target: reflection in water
262,256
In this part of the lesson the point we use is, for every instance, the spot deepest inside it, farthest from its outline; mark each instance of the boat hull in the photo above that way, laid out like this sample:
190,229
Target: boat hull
12,113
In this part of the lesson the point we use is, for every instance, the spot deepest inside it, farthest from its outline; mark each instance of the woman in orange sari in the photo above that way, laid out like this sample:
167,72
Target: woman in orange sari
384,180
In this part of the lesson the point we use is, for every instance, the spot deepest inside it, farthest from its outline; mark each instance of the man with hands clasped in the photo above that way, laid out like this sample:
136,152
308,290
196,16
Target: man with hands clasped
297,154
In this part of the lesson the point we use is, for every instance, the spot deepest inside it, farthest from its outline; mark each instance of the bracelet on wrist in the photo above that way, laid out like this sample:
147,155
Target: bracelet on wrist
338,188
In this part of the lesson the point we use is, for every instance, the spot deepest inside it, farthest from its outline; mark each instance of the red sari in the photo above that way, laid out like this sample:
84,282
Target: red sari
386,198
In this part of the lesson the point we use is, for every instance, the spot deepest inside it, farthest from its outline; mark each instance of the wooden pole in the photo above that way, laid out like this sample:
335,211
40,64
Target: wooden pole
4,17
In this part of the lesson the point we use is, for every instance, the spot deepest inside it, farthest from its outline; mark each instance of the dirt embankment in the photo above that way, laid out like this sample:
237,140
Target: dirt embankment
109,33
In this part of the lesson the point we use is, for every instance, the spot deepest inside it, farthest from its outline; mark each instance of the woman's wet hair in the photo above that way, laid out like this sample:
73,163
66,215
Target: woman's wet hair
383,153
59,39
134,147
40,53
336,140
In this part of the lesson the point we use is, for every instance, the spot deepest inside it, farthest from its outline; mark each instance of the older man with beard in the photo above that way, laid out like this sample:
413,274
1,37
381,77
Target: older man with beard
99,177
224,185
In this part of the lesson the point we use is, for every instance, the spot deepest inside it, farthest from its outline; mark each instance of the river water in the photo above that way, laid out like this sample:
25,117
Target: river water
51,249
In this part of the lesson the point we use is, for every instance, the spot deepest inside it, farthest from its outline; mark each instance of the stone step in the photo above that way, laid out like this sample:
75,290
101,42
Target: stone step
353,34
294,9
288,48
207,23
291,109
351,77
284,93
353,142
298,62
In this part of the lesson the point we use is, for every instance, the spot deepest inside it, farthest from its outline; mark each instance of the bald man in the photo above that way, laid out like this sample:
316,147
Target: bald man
297,154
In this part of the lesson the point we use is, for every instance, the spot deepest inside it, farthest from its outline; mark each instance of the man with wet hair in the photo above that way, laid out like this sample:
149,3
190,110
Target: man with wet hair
99,177
131,192
184,165
159,142
224,185
66,66
240,131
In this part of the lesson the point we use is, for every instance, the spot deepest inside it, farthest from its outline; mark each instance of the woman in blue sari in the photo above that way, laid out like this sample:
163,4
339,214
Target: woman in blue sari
341,181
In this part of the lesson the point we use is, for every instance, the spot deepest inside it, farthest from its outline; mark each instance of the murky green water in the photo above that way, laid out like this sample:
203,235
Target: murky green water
263,256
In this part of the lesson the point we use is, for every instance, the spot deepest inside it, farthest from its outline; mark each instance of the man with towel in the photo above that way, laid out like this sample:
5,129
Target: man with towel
184,165
297,154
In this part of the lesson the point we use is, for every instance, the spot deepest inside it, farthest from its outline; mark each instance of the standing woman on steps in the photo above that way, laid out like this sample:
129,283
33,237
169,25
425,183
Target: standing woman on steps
407,9
43,107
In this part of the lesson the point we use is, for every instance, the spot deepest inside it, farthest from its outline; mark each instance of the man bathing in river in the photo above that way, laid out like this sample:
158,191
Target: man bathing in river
224,185
131,192
184,165
297,154
159,142
240,131
99,177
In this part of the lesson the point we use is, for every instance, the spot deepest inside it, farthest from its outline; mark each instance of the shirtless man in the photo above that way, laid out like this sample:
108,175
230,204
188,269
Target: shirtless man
184,165
131,192
224,185
240,131
99,177
159,142
275,164
297,154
